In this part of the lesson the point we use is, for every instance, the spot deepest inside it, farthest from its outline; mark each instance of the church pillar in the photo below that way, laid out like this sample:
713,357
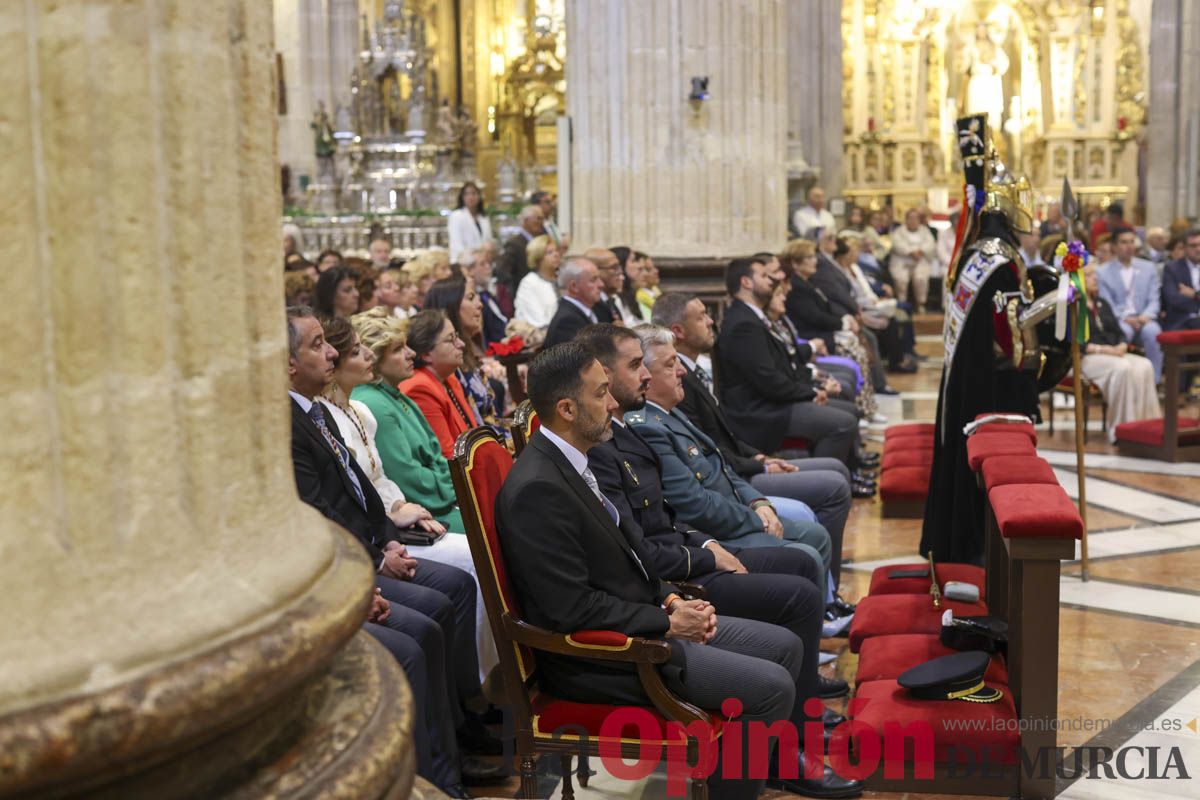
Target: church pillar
1173,132
814,102
175,619
653,170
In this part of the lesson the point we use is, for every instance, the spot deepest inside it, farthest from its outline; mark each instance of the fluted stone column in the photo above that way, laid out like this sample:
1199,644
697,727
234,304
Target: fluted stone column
814,86
163,586
1173,132
648,168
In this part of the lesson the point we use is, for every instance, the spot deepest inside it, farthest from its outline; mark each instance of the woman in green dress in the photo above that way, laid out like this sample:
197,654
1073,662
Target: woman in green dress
408,448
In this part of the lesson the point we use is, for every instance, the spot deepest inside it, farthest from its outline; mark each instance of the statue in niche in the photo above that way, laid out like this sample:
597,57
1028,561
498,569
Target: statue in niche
986,65
323,143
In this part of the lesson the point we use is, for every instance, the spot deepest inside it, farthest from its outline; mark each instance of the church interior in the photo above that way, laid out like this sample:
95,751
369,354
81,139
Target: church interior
189,614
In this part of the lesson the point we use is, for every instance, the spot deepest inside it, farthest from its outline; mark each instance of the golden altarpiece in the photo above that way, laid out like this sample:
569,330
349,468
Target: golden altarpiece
1062,81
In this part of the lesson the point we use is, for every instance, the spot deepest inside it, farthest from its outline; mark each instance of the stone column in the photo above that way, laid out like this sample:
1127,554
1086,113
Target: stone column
649,168
1173,131
165,591
814,101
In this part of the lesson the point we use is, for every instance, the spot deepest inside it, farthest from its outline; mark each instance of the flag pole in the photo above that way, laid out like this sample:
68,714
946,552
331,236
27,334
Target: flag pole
1080,434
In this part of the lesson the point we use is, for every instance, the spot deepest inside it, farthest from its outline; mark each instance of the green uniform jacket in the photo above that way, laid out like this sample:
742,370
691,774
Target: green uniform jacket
411,454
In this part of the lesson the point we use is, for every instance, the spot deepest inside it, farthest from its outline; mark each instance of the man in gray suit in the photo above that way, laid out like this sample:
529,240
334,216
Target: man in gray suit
1131,286
697,480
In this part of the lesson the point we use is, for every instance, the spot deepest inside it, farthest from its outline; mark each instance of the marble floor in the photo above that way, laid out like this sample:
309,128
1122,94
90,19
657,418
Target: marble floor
1129,655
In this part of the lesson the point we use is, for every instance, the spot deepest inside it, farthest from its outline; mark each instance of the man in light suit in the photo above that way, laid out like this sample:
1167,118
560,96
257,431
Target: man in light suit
1131,286
699,483
1181,287
577,563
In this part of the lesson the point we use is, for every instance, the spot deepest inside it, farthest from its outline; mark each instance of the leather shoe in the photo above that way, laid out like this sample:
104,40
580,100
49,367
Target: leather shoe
867,458
887,389
829,688
457,791
477,772
862,490
828,785
842,608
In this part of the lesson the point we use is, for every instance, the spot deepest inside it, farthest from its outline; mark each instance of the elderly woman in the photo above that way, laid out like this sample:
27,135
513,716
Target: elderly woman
480,378
878,314
913,251
408,449
537,294
426,268
1125,379
433,385
354,367
337,293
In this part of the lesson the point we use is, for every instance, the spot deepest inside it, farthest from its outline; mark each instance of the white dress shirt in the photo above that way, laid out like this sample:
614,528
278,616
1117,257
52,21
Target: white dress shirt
536,301
807,219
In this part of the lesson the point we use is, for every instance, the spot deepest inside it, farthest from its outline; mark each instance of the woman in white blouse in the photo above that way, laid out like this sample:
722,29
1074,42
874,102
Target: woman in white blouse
537,293
468,224
357,425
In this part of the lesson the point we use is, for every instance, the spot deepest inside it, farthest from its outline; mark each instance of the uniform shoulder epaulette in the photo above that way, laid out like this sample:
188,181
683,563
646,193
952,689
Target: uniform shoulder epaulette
635,417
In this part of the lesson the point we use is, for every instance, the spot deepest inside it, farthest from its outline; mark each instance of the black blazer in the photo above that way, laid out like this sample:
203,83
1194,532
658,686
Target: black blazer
606,310
809,310
831,280
494,321
630,475
324,485
758,382
701,408
513,265
567,321
573,569
1103,325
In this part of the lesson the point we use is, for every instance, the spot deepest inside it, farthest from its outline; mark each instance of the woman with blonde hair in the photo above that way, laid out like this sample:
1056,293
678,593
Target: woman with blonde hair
537,293
425,268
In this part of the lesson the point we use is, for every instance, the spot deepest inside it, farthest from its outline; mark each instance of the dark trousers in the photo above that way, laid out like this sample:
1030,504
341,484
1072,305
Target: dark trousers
831,431
823,484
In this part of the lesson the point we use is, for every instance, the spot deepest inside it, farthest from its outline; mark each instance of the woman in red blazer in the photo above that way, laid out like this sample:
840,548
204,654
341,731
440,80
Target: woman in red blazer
433,386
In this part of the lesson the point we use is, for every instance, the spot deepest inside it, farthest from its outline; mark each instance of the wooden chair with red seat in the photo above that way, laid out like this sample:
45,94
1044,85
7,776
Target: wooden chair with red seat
481,463
1172,438
525,424
1091,394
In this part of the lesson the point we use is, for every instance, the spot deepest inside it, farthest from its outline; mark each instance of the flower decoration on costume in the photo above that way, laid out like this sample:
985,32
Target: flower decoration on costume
1071,318
1074,255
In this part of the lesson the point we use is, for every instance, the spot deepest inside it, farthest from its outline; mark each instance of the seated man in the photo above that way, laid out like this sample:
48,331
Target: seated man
580,285
576,564
770,584
698,482
1181,287
434,606
1132,287
765,398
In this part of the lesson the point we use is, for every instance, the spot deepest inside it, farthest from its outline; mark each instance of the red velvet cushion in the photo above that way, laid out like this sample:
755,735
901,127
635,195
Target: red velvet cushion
551,714
1023,428
1150,431
884,658
534,424
1039,510
885,614
882,584
794,443
909,429
986,445
904,484
1179,337
995,740
1003,470
896,456
607,640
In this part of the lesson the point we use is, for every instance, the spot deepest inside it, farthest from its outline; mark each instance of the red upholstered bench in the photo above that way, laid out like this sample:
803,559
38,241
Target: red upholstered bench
982,446
896,456
882,584
885,614
1150,431
1035,511
902,491
908,429
1003,470
1179,337
992,739
1023,428
1172,438
884,658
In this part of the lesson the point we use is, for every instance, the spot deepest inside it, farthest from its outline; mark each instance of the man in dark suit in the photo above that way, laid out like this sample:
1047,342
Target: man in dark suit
576,564
823,484
478,265
765,398
580,284
432,604
1181,287
513,263
771,584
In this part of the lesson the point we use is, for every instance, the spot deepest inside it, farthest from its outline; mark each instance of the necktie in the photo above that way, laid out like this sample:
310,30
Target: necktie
590,480
706,379
343,455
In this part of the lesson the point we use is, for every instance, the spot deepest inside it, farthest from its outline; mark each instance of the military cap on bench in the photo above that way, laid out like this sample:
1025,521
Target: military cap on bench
954,677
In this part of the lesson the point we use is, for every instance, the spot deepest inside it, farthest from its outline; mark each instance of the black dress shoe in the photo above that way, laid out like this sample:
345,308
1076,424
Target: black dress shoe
860,477
906,367
866,458
843,608
457,791
887,389
861,491
829,688
828,785
477,772
475,738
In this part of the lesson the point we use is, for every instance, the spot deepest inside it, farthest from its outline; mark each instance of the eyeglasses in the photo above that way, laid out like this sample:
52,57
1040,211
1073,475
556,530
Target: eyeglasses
451,339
